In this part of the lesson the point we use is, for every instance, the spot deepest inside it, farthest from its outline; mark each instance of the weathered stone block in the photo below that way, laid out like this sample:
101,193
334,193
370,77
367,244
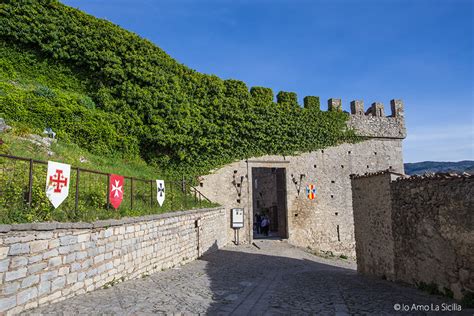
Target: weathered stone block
35,259
64,249
81,276
46,276
4,265
30,280
67,240
53,243
81,255
7,303
51,253
83,238
70,258
98,259
44,235
10,288
3,252
58,283
63,271
44,288
15,275
71,278
26,295
33,268
38,246
31,305
75,266
54,262
18,249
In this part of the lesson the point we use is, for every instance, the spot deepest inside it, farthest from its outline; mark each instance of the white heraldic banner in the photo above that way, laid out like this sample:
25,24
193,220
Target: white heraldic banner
160,191
57,182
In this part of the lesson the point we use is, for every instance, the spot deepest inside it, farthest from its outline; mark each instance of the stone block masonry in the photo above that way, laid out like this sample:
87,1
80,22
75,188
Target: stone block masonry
417,229
45,263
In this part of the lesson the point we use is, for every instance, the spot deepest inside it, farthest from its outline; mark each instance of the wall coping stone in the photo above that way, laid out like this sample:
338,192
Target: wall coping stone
45,226
438,176
378,173
426,176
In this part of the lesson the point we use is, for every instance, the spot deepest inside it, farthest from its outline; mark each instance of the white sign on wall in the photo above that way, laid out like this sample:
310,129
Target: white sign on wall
237,217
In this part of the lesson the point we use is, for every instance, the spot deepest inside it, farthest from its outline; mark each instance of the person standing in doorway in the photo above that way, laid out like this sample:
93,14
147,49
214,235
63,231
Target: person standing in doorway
265,225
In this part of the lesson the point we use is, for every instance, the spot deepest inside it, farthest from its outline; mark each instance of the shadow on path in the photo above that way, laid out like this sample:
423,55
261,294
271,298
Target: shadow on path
281,279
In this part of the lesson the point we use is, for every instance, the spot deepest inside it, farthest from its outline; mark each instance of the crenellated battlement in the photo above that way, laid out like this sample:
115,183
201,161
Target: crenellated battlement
372,123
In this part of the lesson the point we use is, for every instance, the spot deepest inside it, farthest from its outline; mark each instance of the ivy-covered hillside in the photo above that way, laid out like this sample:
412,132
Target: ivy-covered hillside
112,92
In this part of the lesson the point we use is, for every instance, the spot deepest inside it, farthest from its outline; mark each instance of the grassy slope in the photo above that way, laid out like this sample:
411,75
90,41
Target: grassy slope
26,76
29,72
150,105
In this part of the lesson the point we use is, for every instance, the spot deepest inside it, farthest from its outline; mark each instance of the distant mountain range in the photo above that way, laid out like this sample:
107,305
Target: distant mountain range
439,166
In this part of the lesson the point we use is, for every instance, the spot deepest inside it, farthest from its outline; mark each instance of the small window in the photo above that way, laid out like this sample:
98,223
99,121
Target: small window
332,181
322,151
332,196
201,184
342,166
349,152
338,235
336,213
367,166
315,166
375,153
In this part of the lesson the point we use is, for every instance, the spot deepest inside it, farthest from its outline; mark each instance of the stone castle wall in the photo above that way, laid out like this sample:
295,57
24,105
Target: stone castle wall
325,223
373,229
428,226
47,262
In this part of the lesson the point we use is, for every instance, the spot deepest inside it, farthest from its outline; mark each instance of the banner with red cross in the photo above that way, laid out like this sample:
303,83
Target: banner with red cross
57,182
116,190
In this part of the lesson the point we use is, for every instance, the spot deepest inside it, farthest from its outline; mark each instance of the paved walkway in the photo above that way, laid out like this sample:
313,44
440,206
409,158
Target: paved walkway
276,279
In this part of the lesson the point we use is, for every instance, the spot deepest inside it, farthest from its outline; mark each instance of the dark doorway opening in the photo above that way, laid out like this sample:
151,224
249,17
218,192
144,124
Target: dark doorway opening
269,202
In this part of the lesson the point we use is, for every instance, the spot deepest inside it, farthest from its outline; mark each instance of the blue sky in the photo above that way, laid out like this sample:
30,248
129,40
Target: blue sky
420,51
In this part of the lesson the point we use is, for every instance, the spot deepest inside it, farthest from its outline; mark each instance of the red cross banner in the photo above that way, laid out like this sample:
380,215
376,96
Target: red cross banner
160,191
57,182
116,190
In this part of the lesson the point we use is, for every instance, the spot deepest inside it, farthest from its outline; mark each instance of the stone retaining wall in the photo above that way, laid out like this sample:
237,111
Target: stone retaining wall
44,263
426,225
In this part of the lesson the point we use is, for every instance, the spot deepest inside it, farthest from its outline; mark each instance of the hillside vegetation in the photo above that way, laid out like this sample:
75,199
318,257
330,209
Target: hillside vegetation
439,166
113,93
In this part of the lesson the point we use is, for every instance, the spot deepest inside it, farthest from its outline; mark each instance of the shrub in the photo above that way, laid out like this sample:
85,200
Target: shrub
43,91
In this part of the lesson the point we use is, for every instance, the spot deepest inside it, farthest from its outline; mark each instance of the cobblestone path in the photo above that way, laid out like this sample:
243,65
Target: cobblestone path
277,279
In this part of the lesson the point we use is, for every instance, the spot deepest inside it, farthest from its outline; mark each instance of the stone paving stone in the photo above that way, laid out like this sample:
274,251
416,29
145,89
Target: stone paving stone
277,279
